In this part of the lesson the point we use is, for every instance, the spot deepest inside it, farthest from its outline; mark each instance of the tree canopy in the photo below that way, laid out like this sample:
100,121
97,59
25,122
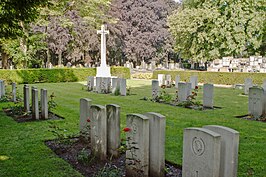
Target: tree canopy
141,30
207,30
13,12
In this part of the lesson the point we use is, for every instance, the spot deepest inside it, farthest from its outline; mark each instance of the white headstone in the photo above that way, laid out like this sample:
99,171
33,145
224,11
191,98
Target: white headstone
189,90
201,153
26,96
155,89
157,144
208,95
229,150
193,81
256,102
98,132
14,92
84,117
115,84
103,70
44,104
98,84
35,104
113,129
123,87
248,84
137,157
90,83
168,82
182,91
177,80
161,79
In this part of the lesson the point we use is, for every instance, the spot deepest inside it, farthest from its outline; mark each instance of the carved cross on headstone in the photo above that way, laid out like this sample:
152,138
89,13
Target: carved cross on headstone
103,32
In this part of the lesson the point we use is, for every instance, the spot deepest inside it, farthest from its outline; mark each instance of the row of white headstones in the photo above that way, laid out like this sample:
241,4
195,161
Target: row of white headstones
185,89
35,102
107,85
210,151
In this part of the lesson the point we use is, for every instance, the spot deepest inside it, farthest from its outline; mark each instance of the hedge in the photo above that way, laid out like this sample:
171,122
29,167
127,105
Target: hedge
56,75
225,78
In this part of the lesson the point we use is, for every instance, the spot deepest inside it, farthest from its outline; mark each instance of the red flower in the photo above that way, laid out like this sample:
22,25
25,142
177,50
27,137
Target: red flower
126,129
193,93
196,87
88,120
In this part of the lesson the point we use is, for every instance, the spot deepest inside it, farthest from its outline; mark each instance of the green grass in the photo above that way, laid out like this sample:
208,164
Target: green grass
28,156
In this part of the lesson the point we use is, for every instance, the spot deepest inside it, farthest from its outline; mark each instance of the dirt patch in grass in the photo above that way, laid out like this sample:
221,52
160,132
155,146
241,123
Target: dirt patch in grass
28,117
249,117
77,152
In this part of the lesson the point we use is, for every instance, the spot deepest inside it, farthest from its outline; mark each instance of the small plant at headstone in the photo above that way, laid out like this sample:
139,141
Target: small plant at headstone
51,103
191,99
131,148
5,98
117,91
17,110
128,90
109,170
84,133
85,157
60,134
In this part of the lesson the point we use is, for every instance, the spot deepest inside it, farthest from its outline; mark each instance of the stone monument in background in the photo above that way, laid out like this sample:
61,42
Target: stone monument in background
103,70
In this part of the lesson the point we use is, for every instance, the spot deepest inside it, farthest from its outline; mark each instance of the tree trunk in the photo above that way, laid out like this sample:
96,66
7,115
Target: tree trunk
60,59
4,60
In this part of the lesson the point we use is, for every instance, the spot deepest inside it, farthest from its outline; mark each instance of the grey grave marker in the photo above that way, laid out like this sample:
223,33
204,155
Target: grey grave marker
98,133
84,116
155,89
123,87
44,104
248,84
229,150
208,95
137,158
256,102
113,129
157,144
26,96
201,153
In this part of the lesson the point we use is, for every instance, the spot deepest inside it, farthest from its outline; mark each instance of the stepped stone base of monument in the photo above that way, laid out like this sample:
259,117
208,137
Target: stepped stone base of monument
103,71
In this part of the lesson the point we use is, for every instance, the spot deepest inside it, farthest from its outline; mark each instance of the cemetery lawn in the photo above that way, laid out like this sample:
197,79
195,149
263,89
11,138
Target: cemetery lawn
23,152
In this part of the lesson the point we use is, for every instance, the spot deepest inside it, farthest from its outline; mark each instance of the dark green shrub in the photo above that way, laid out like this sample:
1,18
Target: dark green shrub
56,75
226,78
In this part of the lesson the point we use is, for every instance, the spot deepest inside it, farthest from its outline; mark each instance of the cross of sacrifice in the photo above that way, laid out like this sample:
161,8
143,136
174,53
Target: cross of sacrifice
103,32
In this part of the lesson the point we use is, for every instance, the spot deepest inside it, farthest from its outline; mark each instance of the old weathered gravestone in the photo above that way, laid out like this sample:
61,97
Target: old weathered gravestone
264,85
137,157
256,102
248,84
26,96
208,95
98,131
177,80
189,90
193,81
182,91
2,88
155,89
35,104
115,84
123,87
108,84
98,84
90,83
201,153
168,82
161,79
84,117
44,104
14,92
113,129
157,144
229,150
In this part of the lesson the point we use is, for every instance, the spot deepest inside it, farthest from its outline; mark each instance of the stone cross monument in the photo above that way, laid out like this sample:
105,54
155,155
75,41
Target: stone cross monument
103,70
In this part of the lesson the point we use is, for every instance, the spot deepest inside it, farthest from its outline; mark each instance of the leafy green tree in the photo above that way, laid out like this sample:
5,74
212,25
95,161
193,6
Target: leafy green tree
13,15
207,30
